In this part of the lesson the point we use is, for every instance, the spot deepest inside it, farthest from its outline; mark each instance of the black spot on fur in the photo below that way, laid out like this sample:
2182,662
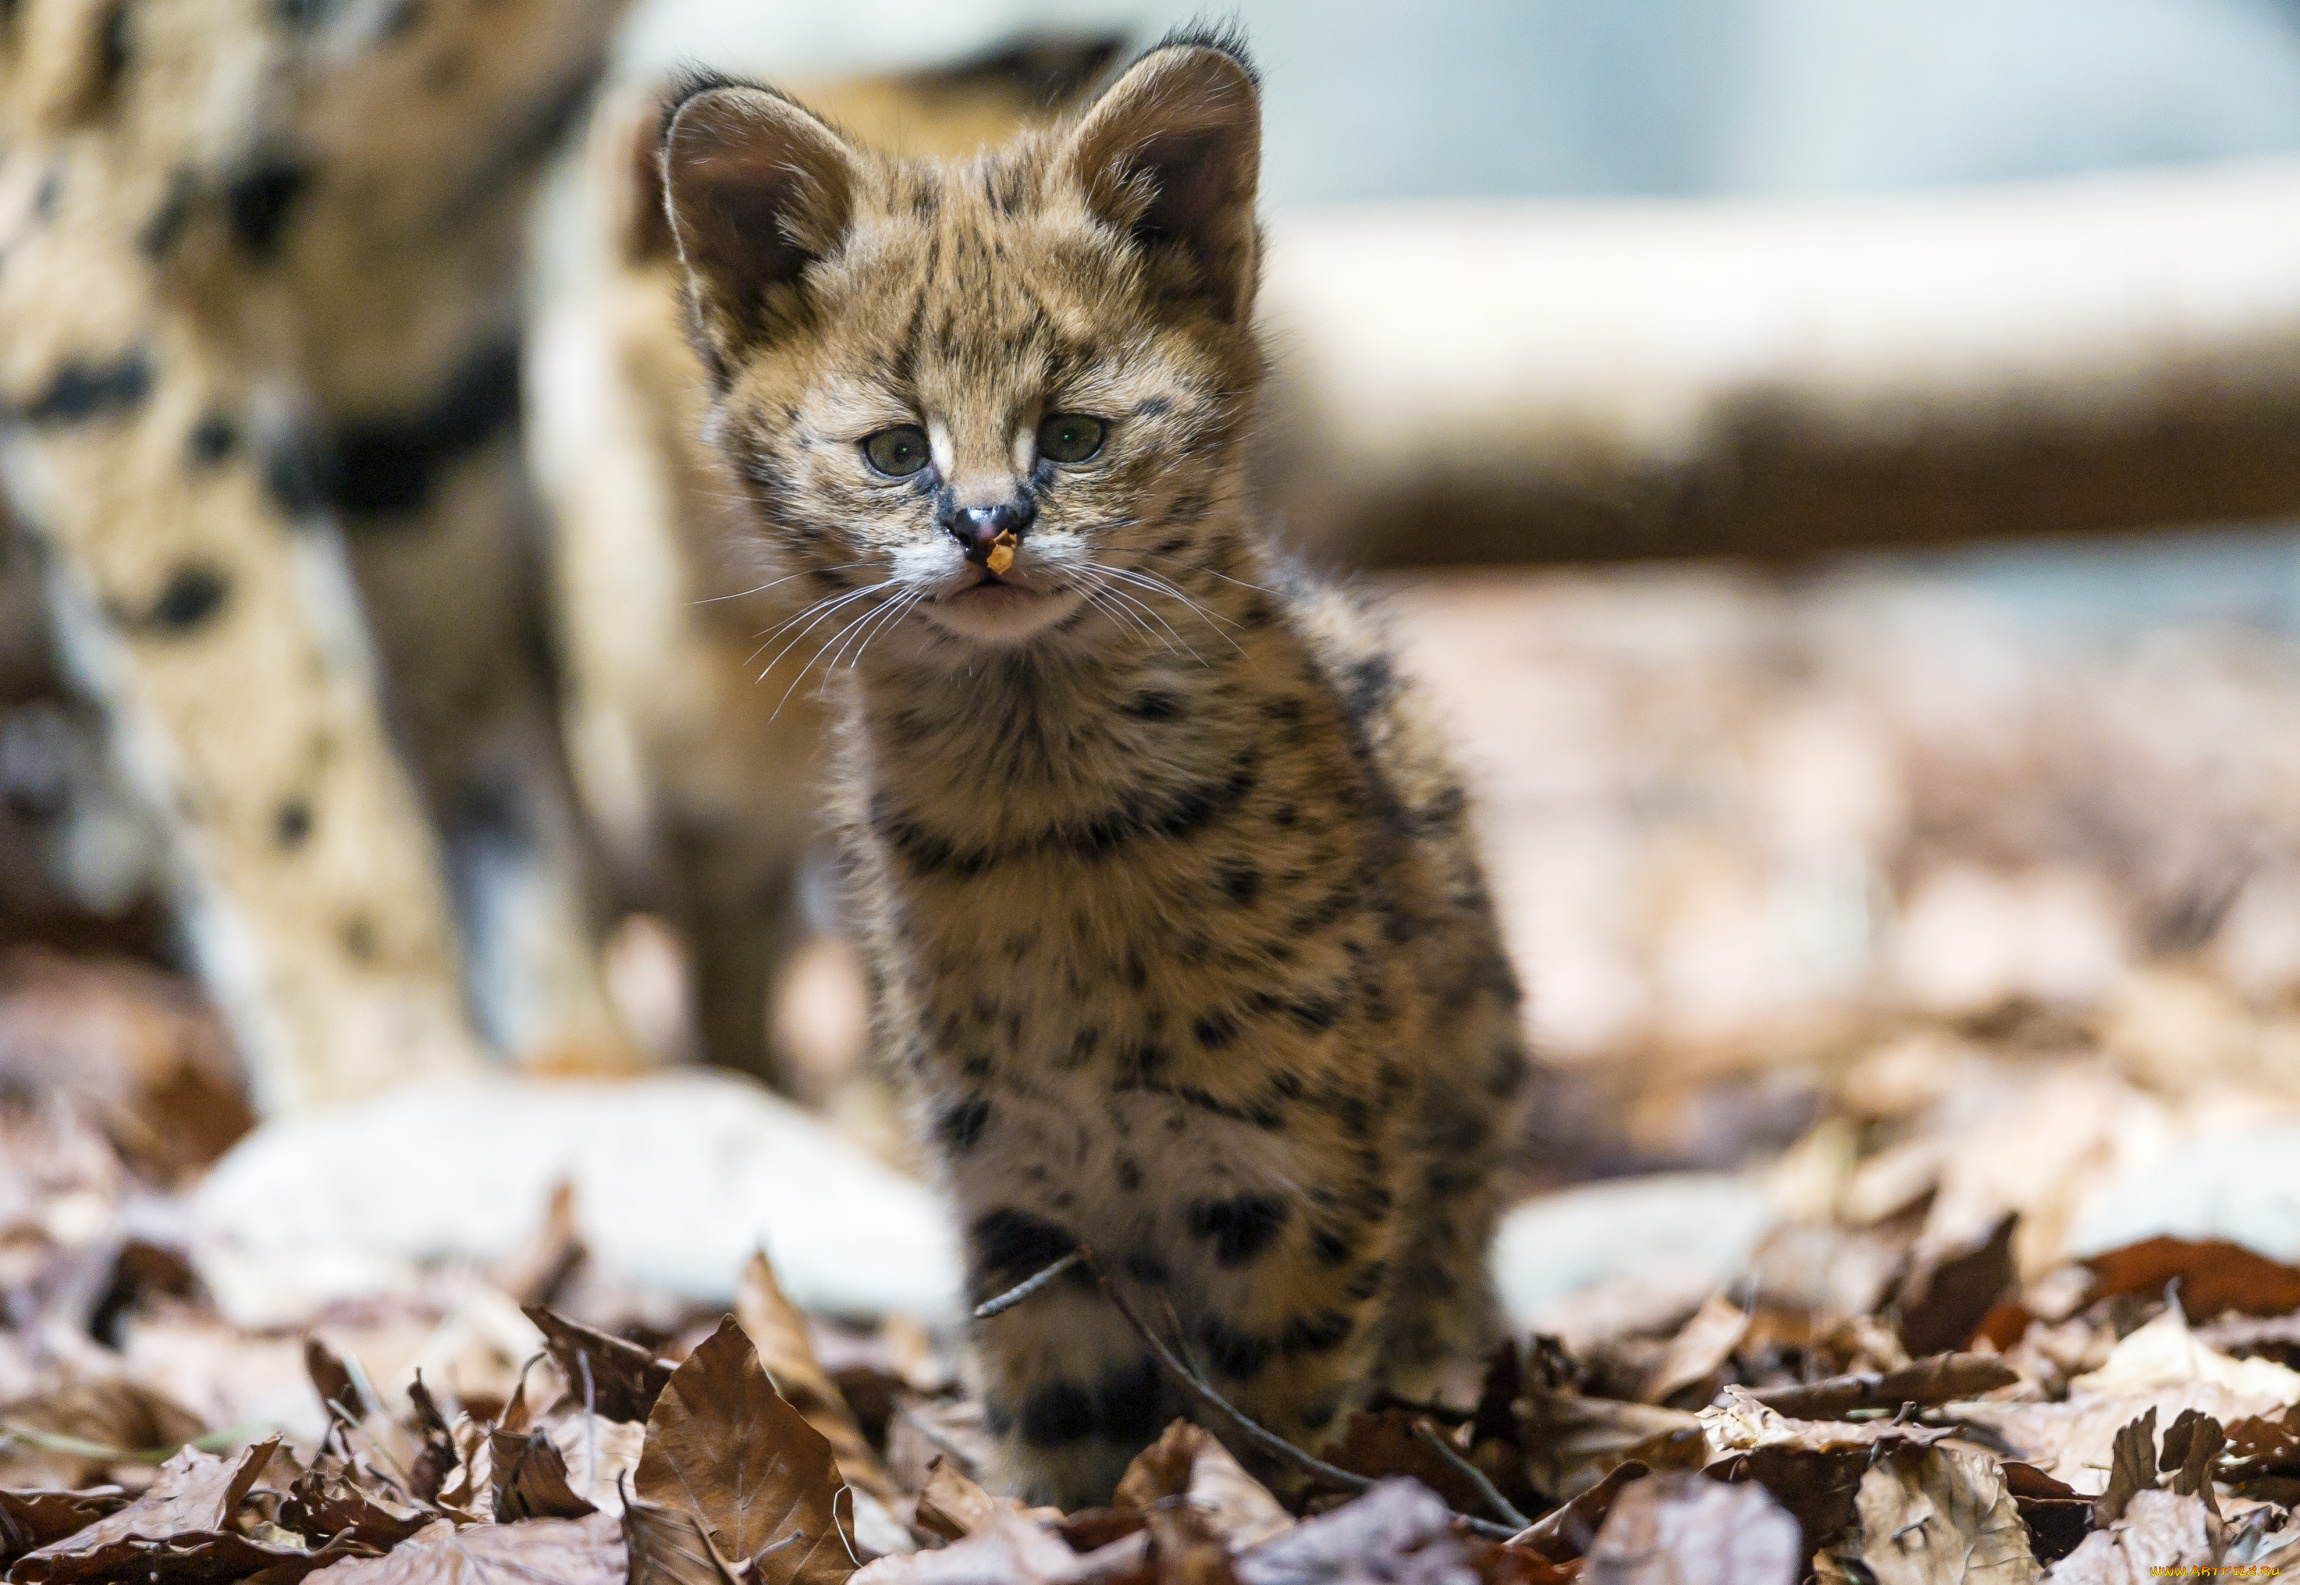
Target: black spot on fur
1320,1333
1215,1030
388,466
298,474
1141,1063
83,391
1082,1046
1240,1227
194,594
292,823
1370,1280
1007,1246
1331,1247
1240,881
1314,1014
1506,1068
1128,1401
1129,1174
212,440
1239,1355
1152,704
1371,683
1059,1412
960,1127
113,46
359,938
259,200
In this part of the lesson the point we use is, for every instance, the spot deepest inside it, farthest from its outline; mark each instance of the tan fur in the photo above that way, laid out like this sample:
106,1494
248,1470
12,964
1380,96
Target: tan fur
213,212
701,761
1180,941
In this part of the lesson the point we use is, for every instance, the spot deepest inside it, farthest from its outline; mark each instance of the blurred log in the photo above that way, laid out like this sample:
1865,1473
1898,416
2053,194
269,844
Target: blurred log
1606,381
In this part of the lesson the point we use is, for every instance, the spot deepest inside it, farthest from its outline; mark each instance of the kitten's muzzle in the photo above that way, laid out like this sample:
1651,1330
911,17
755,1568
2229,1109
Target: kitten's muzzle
978,529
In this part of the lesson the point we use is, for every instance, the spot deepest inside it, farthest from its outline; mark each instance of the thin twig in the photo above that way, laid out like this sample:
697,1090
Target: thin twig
1027,1286
1195,1386
1440,1444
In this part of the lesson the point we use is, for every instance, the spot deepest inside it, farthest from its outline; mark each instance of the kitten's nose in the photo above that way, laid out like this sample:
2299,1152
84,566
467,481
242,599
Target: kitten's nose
977,528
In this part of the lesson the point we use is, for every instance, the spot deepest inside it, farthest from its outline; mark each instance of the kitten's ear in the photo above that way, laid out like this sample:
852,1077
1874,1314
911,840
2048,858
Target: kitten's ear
1171,153
756,189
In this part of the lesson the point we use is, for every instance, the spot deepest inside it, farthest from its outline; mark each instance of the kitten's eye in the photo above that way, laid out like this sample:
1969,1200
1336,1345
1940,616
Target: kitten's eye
1070,437
898,452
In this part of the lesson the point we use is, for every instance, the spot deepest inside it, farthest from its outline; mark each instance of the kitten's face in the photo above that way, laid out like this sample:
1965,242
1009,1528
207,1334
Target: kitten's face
994,395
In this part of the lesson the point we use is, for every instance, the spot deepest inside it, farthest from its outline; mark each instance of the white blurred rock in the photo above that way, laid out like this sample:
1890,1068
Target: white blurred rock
677,1178
1971,940
1687,1226
2241,1186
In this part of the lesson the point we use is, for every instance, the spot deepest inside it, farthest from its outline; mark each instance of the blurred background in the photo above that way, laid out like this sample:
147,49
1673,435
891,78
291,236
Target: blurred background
1833,461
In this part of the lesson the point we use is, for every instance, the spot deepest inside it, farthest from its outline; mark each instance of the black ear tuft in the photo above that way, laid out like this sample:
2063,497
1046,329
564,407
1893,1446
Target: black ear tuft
756,189
1224,38
1173,153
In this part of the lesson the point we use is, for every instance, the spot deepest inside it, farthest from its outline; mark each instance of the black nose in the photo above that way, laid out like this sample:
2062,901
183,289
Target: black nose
977,528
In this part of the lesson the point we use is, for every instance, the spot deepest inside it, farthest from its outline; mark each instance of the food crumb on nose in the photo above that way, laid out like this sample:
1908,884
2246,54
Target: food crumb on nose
1001,554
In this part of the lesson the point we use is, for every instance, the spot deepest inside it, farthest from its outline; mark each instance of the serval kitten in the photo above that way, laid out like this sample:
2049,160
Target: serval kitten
1179,935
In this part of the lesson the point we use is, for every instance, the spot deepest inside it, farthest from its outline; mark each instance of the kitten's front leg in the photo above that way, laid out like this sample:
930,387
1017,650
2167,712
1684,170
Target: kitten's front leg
1071,1394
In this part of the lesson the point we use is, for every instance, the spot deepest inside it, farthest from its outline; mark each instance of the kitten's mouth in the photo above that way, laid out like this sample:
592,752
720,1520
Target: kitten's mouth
981,605
986,590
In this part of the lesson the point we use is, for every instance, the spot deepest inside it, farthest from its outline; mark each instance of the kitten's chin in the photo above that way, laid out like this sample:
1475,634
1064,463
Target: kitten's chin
1002,614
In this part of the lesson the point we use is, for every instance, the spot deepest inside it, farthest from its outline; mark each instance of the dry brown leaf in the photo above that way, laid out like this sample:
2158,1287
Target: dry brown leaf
2161,1533
320,1507
601,1455
1698,1351
1182,1548
30,1519
1813,1468
1013,1551
1399,1531
1382,1444
529,1478
2215,1277
2262,1445
142,1051
1564,1533
194,1557
1935,1516
1572,1442
1739,1422
194,1492
724,1446
2057,1518
2191,1451
2131,1469
538,1552
1190,1462
1947,1292
1685,1529
1944,1378
669,1546
779,1332
605,1374
952,1506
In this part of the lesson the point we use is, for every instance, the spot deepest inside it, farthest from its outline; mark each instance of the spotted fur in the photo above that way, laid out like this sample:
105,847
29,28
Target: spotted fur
1180,938
258,296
